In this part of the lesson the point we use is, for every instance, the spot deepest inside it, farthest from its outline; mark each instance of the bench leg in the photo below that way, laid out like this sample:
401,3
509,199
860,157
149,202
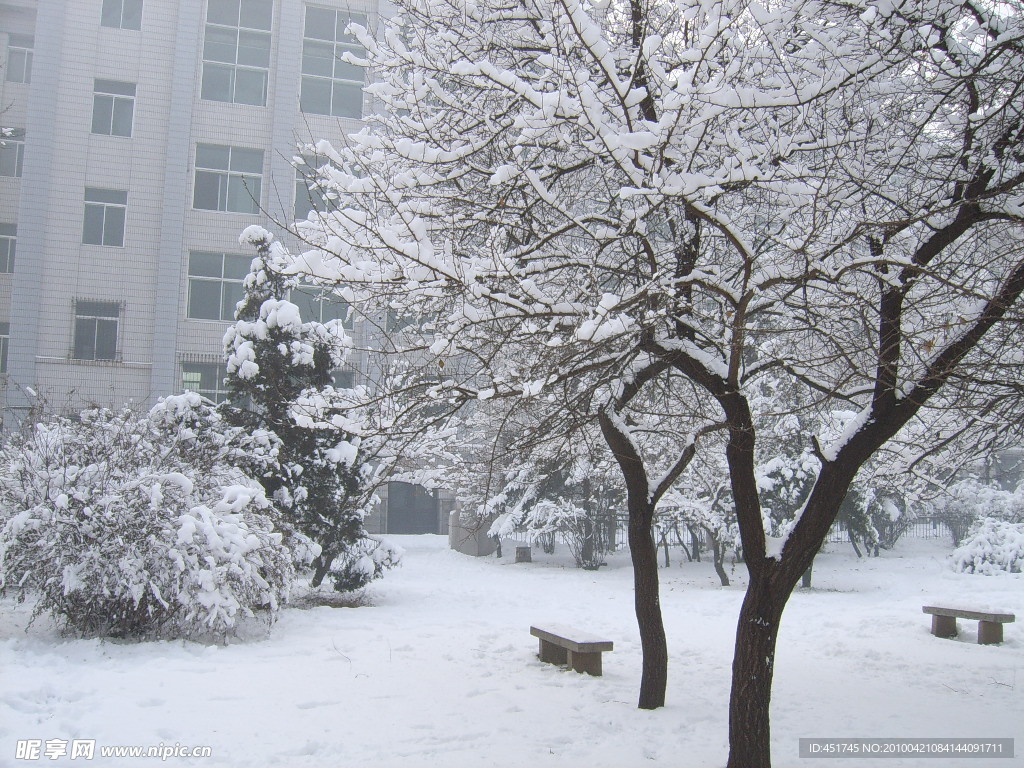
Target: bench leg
586,662
552,653
990,632
943,626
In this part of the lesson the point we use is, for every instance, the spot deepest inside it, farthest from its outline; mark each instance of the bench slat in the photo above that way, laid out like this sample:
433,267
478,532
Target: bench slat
572,639
1001,618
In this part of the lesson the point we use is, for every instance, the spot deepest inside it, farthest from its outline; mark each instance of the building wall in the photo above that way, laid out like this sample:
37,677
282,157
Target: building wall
147,276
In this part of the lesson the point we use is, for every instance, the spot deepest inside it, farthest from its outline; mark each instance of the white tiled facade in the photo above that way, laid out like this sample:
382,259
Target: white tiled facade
141,284
93,312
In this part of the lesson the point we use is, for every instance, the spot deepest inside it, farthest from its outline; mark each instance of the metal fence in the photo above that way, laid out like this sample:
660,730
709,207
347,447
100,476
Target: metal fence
919,528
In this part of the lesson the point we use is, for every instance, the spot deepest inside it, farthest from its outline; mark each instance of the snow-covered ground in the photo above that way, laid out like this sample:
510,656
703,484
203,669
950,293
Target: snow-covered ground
440,670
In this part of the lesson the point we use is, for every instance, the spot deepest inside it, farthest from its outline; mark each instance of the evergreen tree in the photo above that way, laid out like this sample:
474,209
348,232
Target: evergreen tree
274,360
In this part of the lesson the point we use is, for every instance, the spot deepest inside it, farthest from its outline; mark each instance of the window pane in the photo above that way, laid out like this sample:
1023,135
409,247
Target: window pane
132,17
343,22
212,156
92,230
315,96
246,160
114,86
348,100
257,14
217,82
251,87
96,195
343,378
223,12
110,16
243,194
232,294
304,202
11,154
254,49
319,23
304,298
345,70
102,107
205,264
113,226
333,308
208,193
97,308
85,339
106,339
220,44
317,58
204,299
236,267
122,119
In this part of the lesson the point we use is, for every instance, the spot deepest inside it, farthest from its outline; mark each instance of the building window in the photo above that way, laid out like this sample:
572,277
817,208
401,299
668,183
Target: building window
331,86
310,194
19,58
96,330
12,151
215,284
122,14
236,51
105,211
5,340
113,107
206,379
319,306
228,178
8,239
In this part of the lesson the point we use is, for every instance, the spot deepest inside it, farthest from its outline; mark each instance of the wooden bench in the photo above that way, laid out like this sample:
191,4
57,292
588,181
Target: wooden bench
565,645
990,625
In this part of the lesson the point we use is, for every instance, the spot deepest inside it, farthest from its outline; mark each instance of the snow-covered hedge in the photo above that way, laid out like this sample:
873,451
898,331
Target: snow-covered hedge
363,562
143,526
991,546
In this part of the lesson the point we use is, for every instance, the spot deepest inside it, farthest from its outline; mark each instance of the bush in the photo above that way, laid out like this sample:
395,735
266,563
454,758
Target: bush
143,526
363,562
991,546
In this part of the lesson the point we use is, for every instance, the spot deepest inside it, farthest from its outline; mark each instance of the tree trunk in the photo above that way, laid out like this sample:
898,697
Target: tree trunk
718,554
752,669
644,552
853,541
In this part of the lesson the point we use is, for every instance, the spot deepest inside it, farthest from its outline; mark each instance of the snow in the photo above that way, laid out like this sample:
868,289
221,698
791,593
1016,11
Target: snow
440,670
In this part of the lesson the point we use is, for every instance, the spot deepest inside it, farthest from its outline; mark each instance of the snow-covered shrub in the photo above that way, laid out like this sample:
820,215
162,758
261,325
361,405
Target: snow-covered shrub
970,500
364,562
991,546
143,525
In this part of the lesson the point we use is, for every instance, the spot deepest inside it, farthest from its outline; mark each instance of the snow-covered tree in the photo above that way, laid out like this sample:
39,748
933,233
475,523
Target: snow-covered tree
144,525
600,200
577,498
277,363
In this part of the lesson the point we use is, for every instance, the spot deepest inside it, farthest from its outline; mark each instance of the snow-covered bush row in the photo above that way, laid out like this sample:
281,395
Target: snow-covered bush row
991,546
150,525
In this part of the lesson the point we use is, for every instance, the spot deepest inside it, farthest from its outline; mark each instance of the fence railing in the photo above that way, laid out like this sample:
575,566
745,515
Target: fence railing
920,528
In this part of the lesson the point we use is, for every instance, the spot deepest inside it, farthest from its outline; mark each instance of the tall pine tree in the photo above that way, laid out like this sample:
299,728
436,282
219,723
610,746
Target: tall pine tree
274,360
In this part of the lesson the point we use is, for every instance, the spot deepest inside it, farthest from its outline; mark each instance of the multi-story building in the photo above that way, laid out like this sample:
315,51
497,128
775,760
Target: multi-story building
142,136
